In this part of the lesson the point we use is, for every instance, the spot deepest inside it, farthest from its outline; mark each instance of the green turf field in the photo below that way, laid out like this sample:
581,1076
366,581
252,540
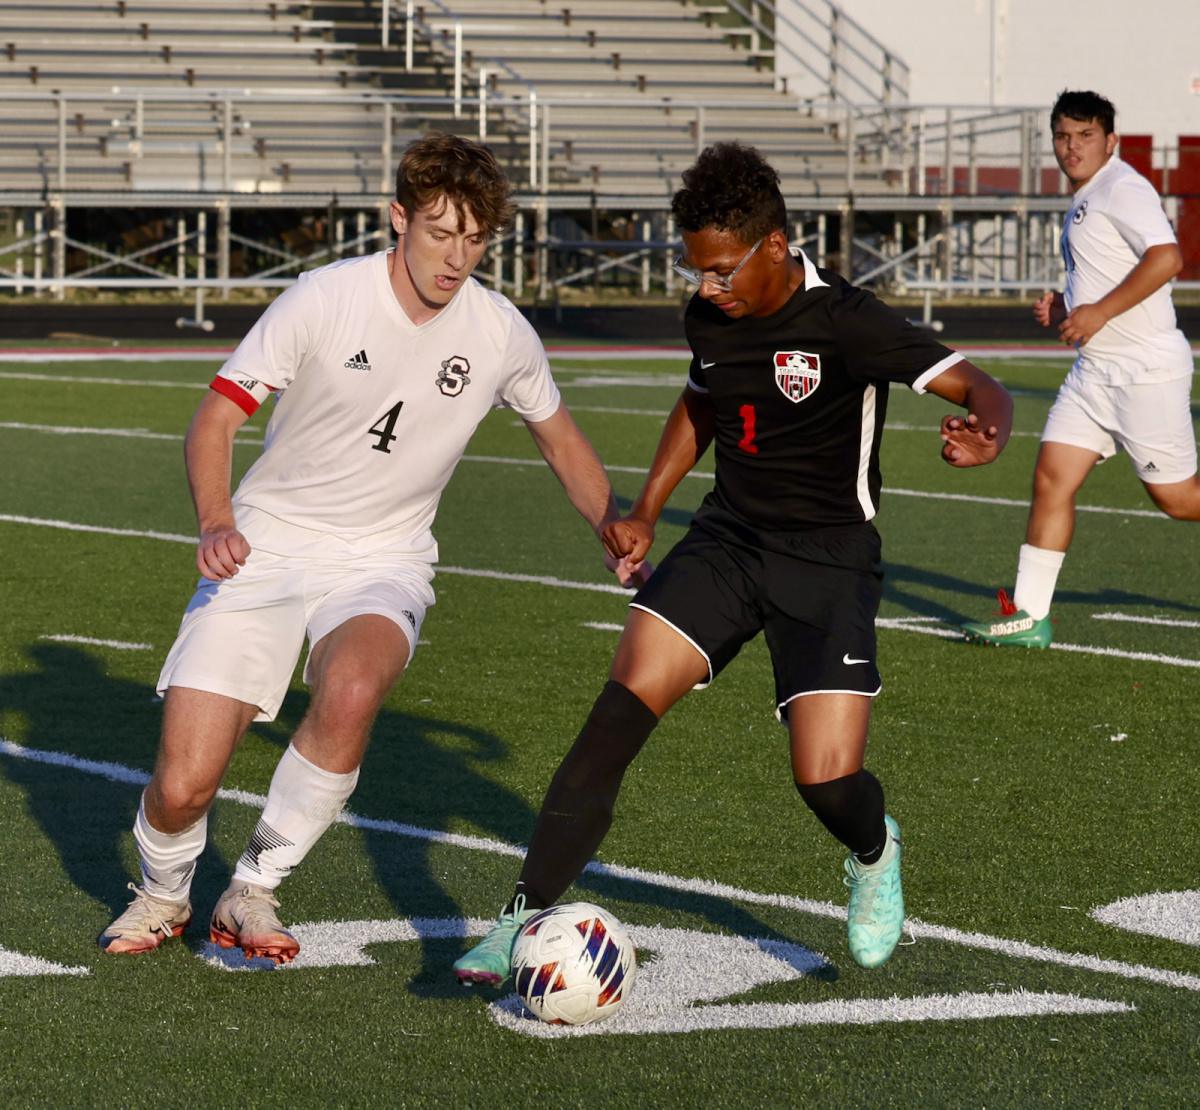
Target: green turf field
1033,789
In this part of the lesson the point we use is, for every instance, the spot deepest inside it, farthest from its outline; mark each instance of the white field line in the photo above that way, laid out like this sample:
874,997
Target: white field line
120,645
896,623
117,772
702,475
15,963
1131,619
175,437
904,624
40,356
117,433
78,379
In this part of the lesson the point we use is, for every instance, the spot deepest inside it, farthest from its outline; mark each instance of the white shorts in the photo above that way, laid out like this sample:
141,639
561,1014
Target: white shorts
241,636
1151,422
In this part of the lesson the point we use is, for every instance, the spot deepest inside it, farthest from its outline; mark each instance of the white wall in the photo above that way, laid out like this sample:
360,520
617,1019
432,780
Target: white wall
1144,57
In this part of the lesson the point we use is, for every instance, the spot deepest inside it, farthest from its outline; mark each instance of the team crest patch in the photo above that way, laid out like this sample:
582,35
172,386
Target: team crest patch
797,374
452,378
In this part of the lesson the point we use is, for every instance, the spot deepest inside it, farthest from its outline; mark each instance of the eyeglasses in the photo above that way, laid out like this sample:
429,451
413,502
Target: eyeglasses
723,282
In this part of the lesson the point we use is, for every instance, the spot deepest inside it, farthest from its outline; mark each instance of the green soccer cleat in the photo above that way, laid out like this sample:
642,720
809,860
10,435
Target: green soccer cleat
875,917
1013,628
489,961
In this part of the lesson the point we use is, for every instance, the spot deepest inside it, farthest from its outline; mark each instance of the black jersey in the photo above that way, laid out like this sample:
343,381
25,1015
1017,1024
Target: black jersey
800,398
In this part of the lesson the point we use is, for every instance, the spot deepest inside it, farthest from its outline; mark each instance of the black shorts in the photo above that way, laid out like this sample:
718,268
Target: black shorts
814,594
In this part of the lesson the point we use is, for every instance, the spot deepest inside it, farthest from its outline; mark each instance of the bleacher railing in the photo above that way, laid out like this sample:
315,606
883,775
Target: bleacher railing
837,51
906,149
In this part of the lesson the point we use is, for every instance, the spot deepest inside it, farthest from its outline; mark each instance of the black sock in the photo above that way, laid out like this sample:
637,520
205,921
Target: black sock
852,809
578,807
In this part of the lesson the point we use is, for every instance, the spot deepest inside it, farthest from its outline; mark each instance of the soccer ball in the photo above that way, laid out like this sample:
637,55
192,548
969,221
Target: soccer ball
573,964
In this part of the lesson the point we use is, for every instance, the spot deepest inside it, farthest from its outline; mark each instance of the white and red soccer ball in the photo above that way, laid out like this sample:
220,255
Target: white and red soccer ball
573,964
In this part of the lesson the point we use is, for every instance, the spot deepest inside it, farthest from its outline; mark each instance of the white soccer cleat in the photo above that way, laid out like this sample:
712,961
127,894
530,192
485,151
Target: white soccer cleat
245,918
146,923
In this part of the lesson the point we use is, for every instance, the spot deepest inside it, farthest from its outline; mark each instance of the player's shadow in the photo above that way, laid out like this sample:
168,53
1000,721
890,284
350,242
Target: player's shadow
66,703
724,913
429,777
424,773
901,578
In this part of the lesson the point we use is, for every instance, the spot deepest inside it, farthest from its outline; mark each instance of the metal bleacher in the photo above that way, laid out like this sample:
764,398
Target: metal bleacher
269,97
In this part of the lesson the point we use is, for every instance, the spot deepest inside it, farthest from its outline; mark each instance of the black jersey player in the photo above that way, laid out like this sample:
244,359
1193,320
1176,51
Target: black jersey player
789,377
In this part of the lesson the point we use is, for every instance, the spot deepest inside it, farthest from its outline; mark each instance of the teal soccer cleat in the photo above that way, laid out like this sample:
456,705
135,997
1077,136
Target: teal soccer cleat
1012,628
876,915
489,961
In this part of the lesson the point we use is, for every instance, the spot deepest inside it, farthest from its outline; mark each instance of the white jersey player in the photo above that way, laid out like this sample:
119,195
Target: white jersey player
1130,386
380,368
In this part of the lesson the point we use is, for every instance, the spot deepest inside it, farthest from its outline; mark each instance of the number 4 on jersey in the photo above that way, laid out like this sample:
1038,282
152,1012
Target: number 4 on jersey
383,429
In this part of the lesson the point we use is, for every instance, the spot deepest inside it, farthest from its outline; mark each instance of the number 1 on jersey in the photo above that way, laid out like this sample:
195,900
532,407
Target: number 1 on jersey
385,434
746,443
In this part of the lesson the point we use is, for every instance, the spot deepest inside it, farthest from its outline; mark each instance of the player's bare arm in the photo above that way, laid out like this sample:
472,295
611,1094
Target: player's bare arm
685,437
1050,309
574,461
979,436
208,451
1156,267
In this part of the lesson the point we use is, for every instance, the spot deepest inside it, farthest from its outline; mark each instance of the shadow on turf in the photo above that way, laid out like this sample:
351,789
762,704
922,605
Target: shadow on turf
421,771
70,705
900,577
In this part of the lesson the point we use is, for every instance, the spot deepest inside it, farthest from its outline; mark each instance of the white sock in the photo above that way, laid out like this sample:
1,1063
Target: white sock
302,803
1037,575
168,860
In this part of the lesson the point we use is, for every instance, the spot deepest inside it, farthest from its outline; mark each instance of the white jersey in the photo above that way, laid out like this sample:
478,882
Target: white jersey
1113,220
373,412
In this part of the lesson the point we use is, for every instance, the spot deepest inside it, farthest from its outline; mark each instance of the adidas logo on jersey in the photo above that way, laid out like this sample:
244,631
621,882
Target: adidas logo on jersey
1150,468
358,362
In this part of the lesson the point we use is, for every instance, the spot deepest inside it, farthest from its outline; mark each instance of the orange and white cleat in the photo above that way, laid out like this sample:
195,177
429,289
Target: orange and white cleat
245,918
146,923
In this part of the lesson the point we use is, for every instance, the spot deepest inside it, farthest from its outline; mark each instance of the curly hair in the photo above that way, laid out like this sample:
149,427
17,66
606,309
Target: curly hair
465,173
731,187
1083,107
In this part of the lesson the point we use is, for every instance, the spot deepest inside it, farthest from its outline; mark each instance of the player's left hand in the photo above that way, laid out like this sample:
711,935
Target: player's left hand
1081,324
965,442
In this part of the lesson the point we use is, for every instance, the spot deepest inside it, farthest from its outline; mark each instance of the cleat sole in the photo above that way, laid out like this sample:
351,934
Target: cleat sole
470,978
282,953
150,946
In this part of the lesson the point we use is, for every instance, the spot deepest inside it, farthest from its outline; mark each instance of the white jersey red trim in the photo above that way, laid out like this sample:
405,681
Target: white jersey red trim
372,412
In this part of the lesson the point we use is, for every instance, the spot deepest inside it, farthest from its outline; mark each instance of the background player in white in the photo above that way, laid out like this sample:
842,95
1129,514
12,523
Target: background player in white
1130,386
382,366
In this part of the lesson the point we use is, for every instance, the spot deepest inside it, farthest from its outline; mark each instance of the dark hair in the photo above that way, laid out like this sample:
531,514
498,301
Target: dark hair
1084,107
731,187
465,173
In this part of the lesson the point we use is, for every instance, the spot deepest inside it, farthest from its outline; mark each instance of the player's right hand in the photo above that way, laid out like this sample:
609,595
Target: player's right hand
1049,310
221,552
630,537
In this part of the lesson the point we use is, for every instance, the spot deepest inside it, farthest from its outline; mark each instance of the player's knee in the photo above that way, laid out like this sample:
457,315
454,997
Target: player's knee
616,728
1179,502
1049,484
178,801
347,696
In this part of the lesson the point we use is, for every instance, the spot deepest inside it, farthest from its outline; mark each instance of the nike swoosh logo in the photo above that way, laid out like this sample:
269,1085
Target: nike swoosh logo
849,662
706,365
